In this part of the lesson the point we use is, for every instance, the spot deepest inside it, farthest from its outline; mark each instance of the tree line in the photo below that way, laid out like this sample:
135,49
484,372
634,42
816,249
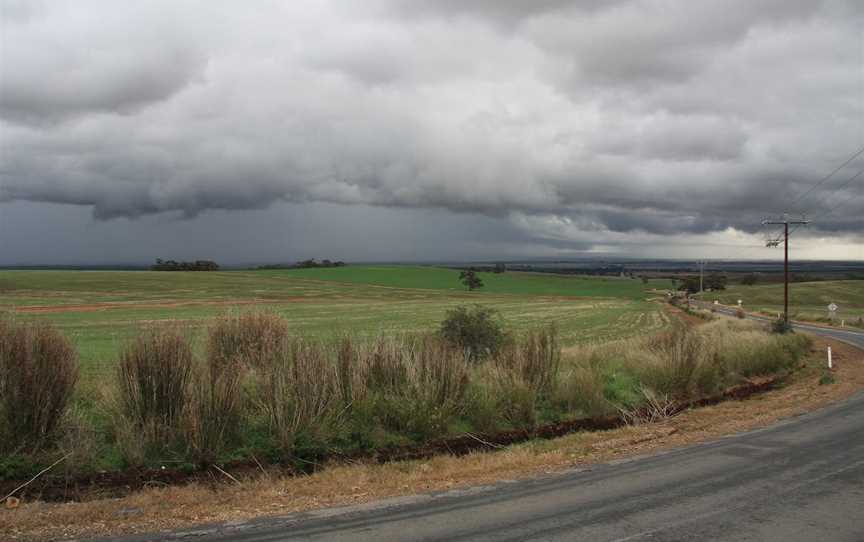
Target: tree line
305,264
197,265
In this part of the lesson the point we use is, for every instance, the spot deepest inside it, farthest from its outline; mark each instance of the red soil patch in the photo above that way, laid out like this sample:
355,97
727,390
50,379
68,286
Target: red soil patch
94,307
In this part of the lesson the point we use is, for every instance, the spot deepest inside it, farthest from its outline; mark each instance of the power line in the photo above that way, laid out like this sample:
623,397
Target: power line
775,238
841,187
827,177
822,181
831,210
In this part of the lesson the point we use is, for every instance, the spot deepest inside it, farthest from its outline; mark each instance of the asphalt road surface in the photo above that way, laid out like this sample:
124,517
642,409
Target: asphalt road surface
802,479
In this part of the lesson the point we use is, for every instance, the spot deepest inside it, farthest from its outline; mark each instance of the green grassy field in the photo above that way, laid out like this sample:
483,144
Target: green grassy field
807,300
100,310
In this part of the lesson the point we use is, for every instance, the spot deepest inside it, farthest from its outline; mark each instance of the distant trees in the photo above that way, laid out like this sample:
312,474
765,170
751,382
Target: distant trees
197,265
689,285
716,281
750,279
500,268
305,264
311,263
470,279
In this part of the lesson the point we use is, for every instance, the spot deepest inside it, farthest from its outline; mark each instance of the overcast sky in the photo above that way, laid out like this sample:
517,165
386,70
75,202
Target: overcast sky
427,129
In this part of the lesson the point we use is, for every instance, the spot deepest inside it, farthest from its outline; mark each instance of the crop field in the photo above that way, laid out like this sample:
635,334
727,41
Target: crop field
101,310
807,300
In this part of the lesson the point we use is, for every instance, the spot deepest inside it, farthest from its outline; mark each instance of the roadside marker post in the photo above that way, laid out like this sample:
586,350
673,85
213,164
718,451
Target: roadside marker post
829,357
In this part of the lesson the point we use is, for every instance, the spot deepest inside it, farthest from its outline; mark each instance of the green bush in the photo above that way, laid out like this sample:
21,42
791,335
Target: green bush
581,389
475,330
621,389
780,326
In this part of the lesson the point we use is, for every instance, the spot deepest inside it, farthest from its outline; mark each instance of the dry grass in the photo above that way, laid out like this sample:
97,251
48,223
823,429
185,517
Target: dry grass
296,389
535,359
412,384
245,338
38,372
216,410
177,507
153,379
684,363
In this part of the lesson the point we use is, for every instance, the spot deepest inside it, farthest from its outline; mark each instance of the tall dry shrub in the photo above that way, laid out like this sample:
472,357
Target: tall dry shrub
508,389
680,358
349,380
153,380
248,338
535,358
297,390
38,373
413,384
216,408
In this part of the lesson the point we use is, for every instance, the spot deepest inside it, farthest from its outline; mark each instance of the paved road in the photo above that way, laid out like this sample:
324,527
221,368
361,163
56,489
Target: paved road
802,480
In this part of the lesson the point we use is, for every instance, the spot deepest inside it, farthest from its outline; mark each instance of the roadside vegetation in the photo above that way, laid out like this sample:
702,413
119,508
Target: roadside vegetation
101,311
258,391
808,300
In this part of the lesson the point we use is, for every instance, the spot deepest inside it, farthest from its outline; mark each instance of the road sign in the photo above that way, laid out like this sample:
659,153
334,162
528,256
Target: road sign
833,307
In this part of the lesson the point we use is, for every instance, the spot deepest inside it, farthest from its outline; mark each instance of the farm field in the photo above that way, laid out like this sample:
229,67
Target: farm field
100,310
807,300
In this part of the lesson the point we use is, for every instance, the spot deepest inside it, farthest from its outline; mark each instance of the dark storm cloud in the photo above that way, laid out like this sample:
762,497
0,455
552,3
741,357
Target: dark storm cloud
561,117
64,60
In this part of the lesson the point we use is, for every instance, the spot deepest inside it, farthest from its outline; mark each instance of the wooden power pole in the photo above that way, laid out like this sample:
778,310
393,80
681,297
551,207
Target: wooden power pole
785,223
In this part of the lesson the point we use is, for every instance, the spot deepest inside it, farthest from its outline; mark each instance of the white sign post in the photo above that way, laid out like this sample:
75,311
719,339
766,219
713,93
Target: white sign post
832,311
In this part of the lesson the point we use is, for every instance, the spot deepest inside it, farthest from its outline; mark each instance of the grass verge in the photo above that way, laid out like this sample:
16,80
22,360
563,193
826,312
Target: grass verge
270,494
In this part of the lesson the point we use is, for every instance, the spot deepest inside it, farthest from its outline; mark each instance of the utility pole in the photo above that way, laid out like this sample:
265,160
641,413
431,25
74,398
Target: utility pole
785,223
701,276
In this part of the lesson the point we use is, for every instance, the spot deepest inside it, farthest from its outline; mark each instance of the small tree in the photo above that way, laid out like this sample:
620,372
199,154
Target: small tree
470,280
